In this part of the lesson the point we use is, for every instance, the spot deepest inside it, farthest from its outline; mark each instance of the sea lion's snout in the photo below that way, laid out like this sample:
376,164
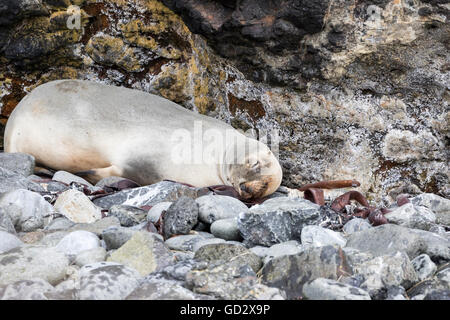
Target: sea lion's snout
254,189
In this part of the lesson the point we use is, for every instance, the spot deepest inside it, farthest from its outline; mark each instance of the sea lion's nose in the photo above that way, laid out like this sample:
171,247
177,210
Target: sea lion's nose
244,188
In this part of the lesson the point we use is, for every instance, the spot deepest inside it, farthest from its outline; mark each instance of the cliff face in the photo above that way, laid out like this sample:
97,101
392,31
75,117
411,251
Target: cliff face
356,89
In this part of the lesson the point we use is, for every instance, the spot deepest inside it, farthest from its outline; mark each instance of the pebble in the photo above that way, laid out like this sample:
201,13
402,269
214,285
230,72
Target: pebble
147,196
217,207
290,272
228,252
411,216
59,224
205,242
425,268
327,289
6,223
115,237
21,163
184,242
32,209
390,238
30,262
8,241
107,281
143,252
97,227
281,249
76,242
90,256
317,236
438,205
164,290
355,225
277,220
77,207
230,281
68,178
10,181
180,217
226,229
128,215
155,212
384,271
35,289
108,181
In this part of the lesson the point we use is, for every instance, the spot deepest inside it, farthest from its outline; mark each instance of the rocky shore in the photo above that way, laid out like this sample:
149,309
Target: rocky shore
63,238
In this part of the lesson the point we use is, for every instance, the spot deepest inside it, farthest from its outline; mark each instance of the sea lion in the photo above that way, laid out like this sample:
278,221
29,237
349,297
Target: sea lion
101,130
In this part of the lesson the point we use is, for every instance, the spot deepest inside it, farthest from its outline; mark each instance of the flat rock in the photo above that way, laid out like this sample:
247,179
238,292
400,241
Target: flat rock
327,289
68,178
355,225
390,238
216,207
128,215
30,262
228,252
226,229
277,220
386,271
291,272
8,241
412,216
155,212
143,252
76,242
34,209
10,181
439,205
317,237
180,217
425,268
148,195
21,163
35,289
107,281
77,207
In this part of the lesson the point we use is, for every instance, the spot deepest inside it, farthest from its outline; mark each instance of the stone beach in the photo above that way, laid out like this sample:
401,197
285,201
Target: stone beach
273,250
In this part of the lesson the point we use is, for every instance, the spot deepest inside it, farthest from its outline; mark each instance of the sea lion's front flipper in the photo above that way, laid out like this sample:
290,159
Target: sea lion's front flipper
95,175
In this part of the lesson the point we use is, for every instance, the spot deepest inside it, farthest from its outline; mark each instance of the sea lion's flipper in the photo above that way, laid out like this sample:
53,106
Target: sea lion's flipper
95,175
41,171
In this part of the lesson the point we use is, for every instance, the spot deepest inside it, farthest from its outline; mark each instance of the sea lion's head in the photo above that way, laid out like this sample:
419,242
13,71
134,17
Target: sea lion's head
255,173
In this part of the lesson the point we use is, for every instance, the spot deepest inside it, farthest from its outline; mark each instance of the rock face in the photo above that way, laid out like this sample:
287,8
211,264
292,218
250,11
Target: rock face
306,68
